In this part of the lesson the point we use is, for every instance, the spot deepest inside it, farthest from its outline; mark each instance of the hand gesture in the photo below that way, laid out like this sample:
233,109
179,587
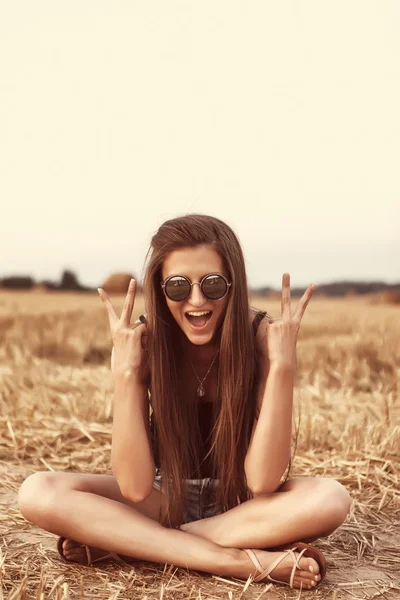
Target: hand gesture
128,354
282,333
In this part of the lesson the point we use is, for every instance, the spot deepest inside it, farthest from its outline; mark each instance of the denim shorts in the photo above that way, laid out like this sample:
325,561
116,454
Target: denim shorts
201,498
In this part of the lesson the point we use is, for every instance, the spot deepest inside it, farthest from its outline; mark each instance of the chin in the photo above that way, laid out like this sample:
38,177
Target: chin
199,339
202,342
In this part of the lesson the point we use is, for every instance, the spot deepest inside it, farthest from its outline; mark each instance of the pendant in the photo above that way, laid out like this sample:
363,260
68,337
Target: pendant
201,391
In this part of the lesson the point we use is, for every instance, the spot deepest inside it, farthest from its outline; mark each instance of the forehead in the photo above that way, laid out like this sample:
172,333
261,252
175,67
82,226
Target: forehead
194,262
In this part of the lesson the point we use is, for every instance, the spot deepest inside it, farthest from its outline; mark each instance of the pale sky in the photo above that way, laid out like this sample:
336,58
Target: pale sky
281,118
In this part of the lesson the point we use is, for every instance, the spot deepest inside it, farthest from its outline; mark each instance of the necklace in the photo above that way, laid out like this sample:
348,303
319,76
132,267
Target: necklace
200,390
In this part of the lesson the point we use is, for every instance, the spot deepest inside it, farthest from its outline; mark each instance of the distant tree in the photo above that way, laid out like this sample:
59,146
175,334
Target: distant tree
18,282
69,281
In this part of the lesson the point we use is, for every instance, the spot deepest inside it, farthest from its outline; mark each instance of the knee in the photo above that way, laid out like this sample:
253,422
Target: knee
37,496
334,501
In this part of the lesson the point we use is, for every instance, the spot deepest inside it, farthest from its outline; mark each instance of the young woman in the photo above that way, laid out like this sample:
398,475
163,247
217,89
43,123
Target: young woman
199,485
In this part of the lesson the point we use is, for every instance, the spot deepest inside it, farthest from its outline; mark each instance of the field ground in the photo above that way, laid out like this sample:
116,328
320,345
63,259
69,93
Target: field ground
55,414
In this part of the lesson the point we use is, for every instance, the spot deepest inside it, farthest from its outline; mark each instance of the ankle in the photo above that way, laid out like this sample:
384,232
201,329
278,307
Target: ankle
235,562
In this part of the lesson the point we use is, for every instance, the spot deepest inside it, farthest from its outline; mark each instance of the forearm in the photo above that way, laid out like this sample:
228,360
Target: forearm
131,453
269,450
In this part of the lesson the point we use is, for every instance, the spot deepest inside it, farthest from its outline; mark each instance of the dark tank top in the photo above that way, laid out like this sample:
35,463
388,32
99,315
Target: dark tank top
205,418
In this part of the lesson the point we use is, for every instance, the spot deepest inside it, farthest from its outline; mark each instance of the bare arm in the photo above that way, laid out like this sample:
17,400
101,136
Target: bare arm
269,450
131,452
270,445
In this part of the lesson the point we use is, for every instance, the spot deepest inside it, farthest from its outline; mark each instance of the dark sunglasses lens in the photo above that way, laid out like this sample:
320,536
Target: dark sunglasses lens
214,287
177,288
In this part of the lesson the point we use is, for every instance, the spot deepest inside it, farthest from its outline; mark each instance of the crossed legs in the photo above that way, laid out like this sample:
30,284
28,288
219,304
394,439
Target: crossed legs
91,510
304,509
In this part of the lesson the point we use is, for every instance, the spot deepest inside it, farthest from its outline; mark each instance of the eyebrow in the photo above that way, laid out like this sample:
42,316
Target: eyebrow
200,278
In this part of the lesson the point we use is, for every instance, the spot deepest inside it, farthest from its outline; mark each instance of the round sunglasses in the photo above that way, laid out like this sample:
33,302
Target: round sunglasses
214,286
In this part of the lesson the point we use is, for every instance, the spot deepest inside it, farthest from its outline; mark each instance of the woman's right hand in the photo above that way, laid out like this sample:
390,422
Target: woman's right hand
128,356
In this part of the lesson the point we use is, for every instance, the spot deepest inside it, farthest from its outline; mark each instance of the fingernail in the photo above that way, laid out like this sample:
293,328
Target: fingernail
311,569
132,281
99,290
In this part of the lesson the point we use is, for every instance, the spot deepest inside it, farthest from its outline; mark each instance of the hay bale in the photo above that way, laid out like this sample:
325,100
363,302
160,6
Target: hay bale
386,297
391,297
117,283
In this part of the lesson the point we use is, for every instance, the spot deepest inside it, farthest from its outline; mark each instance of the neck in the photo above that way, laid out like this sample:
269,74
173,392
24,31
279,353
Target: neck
200,353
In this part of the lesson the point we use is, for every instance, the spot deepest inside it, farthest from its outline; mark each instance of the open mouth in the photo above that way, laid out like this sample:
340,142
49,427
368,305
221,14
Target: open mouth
198,319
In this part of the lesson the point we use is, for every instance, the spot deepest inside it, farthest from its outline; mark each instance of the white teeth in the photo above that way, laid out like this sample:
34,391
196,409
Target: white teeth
199,314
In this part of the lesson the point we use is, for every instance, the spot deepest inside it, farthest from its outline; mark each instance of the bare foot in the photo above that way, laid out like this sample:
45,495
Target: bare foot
304,577
75,552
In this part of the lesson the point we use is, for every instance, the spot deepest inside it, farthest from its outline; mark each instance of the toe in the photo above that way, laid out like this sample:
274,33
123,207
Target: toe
75,555
69,544
298,583
310,565
305,578
305,575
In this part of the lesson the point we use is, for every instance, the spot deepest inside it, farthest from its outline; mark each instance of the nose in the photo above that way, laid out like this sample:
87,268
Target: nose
196,297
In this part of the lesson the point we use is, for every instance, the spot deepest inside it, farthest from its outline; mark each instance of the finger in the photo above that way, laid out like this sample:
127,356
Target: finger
141,329
142,320
303,302
127,309
112,315
285,296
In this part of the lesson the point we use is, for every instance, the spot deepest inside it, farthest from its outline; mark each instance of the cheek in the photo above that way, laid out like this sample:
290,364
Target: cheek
221,309
173,309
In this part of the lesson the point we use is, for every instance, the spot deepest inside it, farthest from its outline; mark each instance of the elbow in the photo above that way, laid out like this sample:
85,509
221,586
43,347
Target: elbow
267,487
135,498
134,492
266,491
134,495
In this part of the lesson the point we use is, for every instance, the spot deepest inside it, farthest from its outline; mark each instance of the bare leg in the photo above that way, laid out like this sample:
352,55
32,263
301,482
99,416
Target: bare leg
304,509
106,523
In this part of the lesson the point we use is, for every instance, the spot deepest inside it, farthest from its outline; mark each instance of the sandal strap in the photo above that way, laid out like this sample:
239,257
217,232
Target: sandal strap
113,555
266,572
117,557
254,560
296,565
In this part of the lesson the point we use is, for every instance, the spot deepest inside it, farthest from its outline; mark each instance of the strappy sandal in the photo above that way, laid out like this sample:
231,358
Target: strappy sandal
312,552
304,549
90,562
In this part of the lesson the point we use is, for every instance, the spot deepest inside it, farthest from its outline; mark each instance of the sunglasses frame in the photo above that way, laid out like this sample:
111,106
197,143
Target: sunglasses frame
200,283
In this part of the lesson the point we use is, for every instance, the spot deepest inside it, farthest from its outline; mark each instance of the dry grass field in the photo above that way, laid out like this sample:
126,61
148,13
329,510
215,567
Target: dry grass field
56,395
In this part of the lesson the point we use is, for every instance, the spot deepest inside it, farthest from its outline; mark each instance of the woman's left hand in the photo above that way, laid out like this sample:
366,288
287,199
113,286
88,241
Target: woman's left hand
282,333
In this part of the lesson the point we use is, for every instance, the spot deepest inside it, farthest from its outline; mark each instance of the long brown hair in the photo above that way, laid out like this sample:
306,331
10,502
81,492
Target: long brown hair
177,432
